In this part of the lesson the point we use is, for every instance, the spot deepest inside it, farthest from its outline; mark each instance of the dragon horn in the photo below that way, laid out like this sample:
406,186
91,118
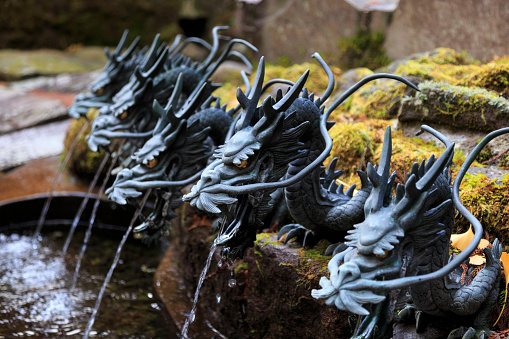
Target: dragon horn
250,102
226,53
380,177
330,85
214,49
190,40
130,50
173,48
157,65
414,188
192,102
151,56
177,91
271,108
121,43
243,58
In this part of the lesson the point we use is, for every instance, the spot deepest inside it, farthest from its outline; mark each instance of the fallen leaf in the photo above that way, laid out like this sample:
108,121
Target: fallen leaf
462,240
477,260
504,258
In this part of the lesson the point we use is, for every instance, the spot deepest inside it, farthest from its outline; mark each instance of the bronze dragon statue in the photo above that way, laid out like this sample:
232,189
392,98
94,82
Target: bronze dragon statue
281,143
403,245
181,146
131,114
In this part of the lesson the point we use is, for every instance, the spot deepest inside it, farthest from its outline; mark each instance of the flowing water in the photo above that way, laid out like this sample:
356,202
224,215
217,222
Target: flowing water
35,296
113,266
44,211
203,274
92,215
85,201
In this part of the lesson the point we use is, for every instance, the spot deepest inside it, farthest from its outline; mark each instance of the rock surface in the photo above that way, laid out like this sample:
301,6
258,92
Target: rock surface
16,64
271,297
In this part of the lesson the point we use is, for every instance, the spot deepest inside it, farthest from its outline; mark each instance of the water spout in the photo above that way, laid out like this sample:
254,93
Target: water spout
191,316
92,215
84,203
114,264
45,208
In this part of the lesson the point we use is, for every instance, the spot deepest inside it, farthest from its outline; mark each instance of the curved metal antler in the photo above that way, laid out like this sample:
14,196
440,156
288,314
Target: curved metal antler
330,85
249,188
214,49
119,48
250,102
380,177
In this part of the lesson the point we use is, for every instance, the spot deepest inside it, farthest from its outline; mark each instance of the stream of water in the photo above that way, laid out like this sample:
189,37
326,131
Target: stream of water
114,265
35,295
203,274
92,216
84,202
44,211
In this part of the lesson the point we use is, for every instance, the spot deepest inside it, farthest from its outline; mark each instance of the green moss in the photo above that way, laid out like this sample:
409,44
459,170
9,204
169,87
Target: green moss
83,161
447,56
378,99
354,144
459,99
490,76
364,49
488,201
312,263
240,265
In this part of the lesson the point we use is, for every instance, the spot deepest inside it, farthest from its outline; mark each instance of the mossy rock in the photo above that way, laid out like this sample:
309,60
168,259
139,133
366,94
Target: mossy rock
83,162
15,64
456,106
488,200
317,81
354,145
438,56
379,99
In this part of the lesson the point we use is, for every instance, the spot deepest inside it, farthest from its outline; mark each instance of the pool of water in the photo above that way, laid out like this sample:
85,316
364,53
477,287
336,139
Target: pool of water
36,278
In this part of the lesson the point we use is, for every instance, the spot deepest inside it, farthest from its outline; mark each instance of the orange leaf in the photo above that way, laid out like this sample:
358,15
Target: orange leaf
461,241
477,260
505,265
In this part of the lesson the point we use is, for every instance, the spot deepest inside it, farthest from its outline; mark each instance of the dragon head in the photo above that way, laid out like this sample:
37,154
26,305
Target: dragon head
118,69
130,114
175,151
114,75
396,234
265,140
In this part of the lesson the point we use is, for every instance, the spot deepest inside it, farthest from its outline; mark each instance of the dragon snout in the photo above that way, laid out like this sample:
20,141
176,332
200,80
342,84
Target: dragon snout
119,192
208,201
348,272
123,175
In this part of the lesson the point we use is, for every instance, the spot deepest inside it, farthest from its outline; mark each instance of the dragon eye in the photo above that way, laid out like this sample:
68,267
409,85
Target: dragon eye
151,163
123,115
99,91
242,164
382,256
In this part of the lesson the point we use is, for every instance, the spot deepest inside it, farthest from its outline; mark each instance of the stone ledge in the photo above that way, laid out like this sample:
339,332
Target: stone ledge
271,299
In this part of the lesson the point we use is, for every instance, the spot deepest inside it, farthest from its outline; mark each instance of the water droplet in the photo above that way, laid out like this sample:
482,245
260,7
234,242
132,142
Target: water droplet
155,306
232,283
220,263
73,332
158,283
218,298
191,317
150,295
